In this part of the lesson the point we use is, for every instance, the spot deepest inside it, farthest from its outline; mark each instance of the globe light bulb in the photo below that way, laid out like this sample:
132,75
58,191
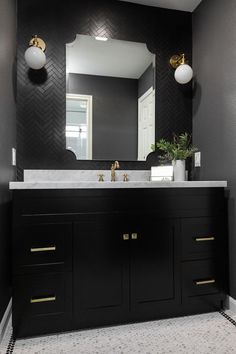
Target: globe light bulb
35,58
183,74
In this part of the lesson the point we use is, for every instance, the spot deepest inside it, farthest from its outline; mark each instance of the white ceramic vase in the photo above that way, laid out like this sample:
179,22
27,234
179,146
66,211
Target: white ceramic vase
179,170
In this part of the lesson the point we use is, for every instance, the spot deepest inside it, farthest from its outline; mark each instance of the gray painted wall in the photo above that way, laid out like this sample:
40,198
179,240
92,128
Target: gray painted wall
7,140
214,106
115,114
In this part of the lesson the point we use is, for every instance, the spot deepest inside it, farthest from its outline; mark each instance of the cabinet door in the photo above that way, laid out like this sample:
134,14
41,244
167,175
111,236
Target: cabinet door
154,267
100,270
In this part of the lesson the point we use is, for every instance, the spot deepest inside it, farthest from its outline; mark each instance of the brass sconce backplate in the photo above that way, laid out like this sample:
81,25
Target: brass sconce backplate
177,60
37,42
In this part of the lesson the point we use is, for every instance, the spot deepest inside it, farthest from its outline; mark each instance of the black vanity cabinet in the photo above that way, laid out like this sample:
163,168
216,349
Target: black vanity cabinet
123,267
86,258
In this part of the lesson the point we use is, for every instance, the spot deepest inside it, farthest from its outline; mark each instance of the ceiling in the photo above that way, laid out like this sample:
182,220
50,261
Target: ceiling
114,58
182,5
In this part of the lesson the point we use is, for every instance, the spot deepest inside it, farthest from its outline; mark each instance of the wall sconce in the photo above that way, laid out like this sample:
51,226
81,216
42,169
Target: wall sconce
183,72
34,55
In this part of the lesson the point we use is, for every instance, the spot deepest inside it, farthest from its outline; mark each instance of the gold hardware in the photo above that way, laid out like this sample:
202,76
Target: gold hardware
43,299
204,282
177,60
126,178
125,237
43,249
37,42
114,166
101,178
134,236
202,239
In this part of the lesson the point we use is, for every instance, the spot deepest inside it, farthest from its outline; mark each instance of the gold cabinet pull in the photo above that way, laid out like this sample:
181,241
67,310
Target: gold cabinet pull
43,249
205,282
134,236
125,237
43,299
204,239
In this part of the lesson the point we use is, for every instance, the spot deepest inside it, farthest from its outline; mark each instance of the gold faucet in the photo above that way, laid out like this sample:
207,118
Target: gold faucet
114,166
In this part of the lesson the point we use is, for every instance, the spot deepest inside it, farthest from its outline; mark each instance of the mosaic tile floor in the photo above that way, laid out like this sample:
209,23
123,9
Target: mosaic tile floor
201,334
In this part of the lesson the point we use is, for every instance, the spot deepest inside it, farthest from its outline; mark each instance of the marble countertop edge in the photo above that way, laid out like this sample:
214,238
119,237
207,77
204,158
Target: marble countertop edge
114,185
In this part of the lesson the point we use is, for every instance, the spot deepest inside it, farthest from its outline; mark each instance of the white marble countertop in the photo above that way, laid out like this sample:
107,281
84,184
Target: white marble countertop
114,185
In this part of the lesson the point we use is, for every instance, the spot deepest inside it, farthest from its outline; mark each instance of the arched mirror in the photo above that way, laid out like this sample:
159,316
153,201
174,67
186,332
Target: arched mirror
110,99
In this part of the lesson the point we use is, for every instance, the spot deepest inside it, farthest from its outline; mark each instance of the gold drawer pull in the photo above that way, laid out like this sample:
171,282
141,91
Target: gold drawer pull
43,299
134,236
125,237
202,239
205,282
43,249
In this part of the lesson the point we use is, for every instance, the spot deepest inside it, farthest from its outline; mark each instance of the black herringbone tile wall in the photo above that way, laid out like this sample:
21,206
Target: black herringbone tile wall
41,94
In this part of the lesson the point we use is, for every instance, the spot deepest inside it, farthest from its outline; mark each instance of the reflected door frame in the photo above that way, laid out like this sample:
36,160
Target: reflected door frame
89,100
150,125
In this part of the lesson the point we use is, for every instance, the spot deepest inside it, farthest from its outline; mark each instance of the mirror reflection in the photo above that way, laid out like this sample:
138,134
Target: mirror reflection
110,99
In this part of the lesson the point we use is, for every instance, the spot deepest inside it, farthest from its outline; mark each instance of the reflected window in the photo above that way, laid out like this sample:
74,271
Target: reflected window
79,125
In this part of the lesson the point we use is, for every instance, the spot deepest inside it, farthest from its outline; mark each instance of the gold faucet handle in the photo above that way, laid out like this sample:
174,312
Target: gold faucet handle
101,177
126,178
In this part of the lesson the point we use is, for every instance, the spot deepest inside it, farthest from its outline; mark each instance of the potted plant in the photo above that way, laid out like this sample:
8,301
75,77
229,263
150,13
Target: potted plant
177,151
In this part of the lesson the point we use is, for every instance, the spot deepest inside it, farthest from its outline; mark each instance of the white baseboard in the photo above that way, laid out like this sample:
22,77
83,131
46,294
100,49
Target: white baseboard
231,304
5,320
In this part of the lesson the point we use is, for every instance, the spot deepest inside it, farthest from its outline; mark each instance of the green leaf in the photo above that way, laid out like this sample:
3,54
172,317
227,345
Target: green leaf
179,148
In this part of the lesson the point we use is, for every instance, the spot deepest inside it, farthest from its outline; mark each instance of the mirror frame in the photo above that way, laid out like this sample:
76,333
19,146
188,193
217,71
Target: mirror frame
148,46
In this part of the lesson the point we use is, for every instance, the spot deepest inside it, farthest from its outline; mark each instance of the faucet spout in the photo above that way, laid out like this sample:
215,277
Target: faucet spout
114,166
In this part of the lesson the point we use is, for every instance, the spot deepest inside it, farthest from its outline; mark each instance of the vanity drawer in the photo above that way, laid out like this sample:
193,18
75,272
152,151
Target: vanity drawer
41,301
41,247
201,278
201,237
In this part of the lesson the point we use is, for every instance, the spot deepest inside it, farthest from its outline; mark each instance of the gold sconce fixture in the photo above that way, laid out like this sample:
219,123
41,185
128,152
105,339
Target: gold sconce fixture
183,72
34,55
